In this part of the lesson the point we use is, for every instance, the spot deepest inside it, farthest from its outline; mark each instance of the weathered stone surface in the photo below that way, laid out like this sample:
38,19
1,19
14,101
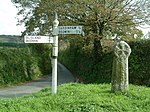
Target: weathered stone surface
120,67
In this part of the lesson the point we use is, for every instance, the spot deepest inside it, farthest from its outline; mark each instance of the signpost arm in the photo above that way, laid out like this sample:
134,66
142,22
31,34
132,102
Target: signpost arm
55,54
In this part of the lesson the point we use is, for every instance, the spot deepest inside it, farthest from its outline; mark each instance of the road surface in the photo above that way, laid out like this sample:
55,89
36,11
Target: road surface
64,76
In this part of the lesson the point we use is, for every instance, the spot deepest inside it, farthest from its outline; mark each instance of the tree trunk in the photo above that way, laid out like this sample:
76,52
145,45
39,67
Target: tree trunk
97,50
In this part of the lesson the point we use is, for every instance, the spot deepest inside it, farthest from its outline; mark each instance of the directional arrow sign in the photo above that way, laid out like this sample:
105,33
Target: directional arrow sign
38,39
69,29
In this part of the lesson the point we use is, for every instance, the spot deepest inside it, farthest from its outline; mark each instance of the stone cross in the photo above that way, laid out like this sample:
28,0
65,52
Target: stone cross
120,70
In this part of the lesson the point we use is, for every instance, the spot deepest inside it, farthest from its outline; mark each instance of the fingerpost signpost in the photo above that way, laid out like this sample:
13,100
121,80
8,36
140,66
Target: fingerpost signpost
56,30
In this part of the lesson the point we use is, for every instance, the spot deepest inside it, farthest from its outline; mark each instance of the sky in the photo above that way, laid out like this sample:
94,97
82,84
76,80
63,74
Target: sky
145,28
8,21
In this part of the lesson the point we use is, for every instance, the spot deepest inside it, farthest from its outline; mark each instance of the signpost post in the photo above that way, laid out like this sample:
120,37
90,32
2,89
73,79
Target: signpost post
55,54
59,30
54,40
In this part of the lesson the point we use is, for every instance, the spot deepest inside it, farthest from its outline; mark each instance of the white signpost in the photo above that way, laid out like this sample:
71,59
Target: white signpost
54,40
38,39
55,54
59,30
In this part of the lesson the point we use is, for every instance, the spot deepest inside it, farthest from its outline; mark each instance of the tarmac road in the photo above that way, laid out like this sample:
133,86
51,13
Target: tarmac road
64,76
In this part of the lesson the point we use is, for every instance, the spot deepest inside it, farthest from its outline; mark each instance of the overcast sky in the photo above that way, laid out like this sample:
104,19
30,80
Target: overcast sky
7,19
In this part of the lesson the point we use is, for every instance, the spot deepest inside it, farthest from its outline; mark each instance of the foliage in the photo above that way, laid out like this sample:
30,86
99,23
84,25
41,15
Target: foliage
139,62
20,62
101,17
81,98
79,59
43,53
17,65
14,45
9,39
146,9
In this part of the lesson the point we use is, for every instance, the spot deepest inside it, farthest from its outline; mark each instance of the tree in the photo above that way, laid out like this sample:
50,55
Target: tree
145,7
99,17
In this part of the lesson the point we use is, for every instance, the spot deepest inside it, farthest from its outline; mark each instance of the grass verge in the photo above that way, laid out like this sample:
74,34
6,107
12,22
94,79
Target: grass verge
81,98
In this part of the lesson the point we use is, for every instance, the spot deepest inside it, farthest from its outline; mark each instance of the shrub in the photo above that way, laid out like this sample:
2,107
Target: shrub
17,65
23,64
78,58
42,52
139,63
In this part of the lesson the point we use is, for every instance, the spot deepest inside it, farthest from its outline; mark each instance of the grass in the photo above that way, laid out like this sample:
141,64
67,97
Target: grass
81,98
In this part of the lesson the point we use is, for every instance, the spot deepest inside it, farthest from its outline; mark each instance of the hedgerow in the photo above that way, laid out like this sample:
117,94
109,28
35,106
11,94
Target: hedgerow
23,64
78,57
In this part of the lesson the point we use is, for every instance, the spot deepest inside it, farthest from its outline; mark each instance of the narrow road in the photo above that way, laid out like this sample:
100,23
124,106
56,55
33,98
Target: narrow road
64,76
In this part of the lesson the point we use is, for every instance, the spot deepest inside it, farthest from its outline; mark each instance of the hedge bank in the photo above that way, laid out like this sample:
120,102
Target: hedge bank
79,59
23,64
